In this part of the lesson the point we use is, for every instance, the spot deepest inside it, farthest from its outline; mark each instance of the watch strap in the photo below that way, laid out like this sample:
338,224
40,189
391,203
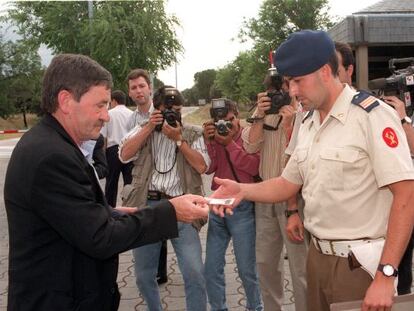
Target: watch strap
289,213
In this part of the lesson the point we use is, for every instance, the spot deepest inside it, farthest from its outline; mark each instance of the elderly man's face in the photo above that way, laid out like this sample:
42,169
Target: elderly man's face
88,115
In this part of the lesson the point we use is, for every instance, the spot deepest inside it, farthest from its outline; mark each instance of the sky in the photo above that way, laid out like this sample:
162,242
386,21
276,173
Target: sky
209,30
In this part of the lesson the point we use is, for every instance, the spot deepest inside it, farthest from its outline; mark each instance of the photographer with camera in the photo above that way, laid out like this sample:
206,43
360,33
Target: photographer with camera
168,160
229,160
269,134
405,278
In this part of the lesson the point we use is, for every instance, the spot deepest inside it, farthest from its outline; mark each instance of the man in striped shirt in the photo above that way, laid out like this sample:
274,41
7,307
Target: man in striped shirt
168,160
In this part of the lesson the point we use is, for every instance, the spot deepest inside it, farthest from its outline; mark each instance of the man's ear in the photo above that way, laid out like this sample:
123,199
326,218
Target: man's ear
350,70
64,101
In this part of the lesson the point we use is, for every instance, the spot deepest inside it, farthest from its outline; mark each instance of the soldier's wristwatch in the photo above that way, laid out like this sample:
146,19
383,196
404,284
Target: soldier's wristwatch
289,213
387,270
406,119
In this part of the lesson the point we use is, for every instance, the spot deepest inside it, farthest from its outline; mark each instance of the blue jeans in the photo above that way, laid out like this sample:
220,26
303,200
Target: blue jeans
188,250
241,228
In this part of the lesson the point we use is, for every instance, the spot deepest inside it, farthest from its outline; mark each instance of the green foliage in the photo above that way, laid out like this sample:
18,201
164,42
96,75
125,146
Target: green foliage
191,96
121,35
242,79
20,79
204,81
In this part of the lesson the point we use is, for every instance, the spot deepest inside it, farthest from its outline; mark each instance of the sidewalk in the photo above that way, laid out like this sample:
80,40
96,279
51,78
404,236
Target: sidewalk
172,293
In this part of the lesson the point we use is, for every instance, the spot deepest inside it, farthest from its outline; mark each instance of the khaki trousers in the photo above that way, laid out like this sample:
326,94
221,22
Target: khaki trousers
330,280
270,238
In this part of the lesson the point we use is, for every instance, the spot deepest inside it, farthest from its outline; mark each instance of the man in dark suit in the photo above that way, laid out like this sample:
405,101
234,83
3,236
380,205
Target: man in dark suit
64,238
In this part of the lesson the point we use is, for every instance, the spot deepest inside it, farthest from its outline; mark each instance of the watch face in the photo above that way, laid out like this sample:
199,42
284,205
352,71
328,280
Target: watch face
388,270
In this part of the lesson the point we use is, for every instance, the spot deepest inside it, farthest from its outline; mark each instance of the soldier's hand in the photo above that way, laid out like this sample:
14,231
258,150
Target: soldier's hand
380,293
295,229
190,207
209,130
173,133
263,104
155,119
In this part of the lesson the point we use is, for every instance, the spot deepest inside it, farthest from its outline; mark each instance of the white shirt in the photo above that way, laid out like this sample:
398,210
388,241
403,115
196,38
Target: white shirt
116,128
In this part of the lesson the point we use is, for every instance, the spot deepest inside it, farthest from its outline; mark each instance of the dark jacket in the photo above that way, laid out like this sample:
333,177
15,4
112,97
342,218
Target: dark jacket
64,243
99,158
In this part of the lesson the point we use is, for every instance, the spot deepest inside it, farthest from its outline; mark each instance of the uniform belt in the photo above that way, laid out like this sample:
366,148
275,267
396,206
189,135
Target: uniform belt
338,248
157,195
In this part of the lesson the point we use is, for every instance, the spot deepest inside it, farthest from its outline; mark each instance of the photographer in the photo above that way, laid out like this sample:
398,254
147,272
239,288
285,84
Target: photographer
229,160
405,278
270,134
168,160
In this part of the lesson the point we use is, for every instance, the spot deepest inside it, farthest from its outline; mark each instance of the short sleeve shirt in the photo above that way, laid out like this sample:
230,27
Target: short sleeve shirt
345,164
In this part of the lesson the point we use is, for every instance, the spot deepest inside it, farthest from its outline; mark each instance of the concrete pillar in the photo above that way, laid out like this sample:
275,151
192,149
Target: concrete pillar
361,55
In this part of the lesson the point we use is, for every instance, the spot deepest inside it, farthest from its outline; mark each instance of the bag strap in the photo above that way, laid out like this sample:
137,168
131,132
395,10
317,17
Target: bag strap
231,166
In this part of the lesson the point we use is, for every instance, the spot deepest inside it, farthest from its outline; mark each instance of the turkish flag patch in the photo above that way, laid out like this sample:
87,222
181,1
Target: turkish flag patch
390,138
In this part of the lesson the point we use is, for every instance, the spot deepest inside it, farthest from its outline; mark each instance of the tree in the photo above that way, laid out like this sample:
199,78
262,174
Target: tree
20,79
242,79
121,35
191,96
204,80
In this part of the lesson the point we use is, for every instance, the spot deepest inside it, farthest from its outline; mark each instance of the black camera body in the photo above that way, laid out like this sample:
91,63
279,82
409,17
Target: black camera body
218,112
399,84
169,115
278,96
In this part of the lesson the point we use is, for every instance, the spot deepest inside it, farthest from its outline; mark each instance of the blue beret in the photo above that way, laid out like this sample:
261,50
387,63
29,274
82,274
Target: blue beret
303,52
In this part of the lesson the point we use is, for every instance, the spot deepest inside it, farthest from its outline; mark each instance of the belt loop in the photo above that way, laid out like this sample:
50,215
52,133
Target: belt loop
332,248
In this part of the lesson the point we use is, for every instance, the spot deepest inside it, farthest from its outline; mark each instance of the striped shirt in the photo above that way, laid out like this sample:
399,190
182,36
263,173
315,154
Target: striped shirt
165,176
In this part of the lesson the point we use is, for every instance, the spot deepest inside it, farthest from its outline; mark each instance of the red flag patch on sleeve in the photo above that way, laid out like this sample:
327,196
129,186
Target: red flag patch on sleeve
390,138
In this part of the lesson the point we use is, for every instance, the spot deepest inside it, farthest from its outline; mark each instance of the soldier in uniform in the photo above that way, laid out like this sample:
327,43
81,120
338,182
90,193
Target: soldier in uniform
353,164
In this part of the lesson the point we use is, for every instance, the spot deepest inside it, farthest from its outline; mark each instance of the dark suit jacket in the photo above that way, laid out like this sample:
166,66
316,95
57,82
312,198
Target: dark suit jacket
63,241
99,158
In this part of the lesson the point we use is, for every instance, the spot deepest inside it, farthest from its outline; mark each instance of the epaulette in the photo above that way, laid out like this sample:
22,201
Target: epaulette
365,100
307,116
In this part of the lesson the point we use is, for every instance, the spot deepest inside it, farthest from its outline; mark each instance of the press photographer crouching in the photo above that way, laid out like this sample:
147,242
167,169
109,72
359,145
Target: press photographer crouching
230,160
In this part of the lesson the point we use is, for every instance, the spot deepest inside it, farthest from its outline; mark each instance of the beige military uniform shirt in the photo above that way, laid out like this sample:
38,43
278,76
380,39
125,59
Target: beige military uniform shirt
345,164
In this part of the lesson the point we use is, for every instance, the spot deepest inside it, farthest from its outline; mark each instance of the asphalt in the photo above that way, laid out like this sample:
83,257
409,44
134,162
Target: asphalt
172,293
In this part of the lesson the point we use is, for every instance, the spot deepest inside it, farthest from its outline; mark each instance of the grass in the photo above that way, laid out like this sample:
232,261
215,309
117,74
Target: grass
15,122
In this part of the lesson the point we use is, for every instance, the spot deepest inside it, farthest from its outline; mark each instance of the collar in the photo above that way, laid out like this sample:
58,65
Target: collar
150,110
340,108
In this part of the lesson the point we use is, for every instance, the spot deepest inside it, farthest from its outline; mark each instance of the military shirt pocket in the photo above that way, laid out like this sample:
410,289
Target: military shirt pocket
334,162
301,156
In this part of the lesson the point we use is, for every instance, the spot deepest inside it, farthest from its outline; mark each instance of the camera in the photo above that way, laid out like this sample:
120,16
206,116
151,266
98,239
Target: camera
171,97
399,84
218,112
278,96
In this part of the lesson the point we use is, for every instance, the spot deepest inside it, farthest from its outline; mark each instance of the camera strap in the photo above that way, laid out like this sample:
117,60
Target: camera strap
231,165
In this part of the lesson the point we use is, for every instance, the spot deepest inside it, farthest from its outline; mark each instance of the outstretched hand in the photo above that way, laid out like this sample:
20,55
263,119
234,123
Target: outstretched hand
190,207
228,189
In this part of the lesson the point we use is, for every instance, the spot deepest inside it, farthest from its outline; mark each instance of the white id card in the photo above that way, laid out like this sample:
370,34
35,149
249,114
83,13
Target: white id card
214,201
